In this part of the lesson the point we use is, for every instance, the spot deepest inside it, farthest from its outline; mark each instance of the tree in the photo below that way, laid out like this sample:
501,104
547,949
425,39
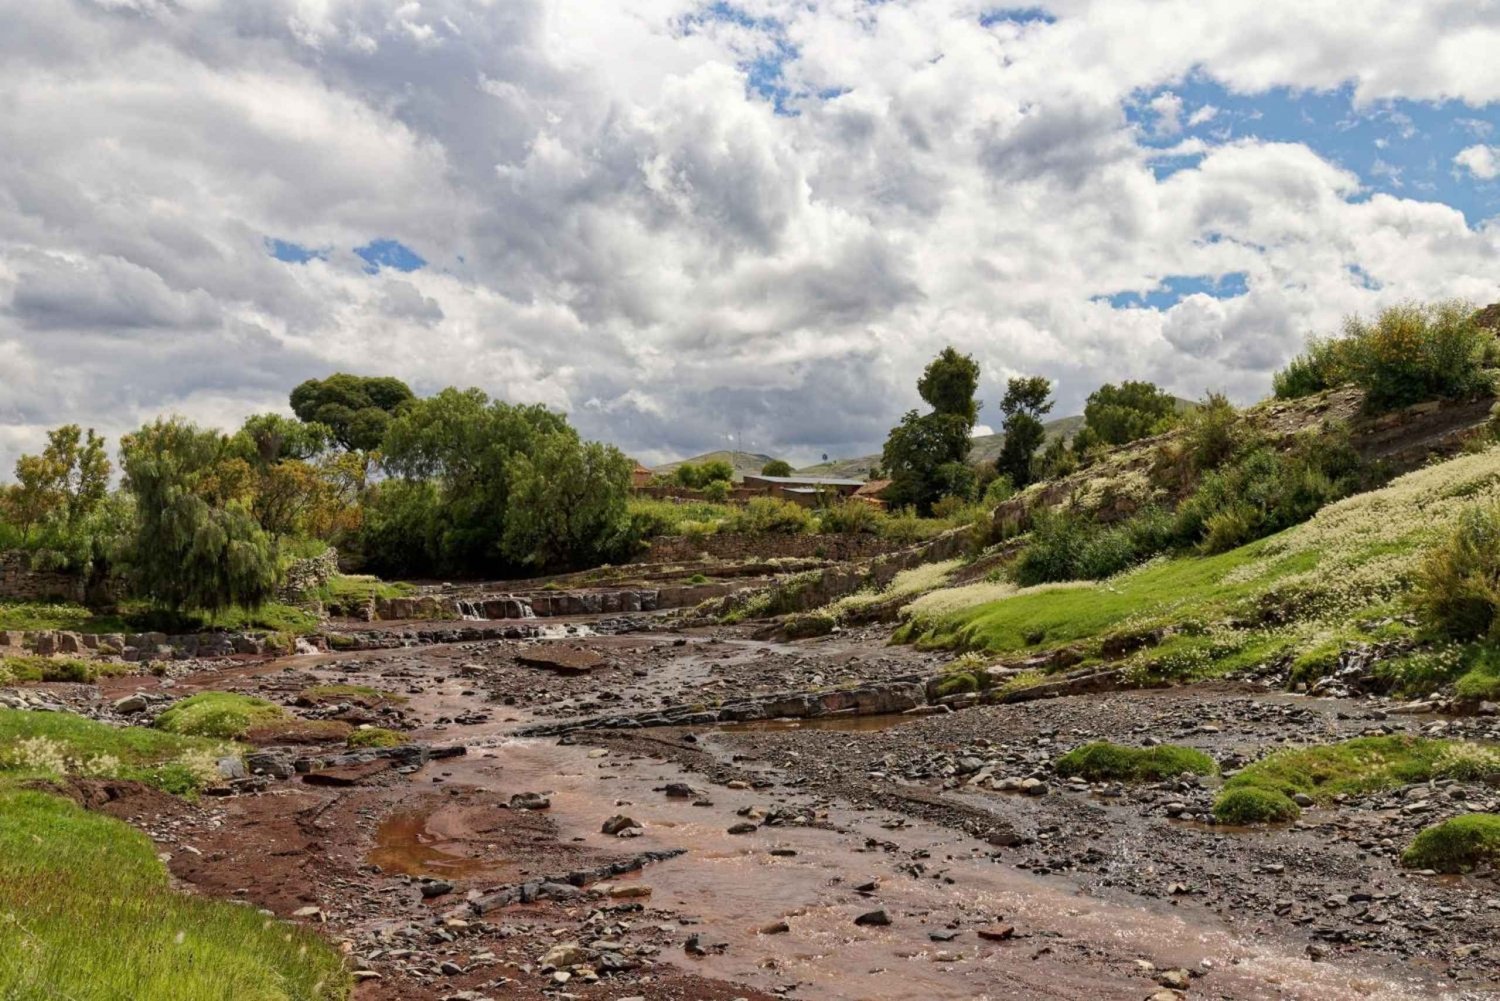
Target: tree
949,383
1131,410
568,504
696,477
918,457
776,467
67,481
926,455
356,409
1026,401
196,543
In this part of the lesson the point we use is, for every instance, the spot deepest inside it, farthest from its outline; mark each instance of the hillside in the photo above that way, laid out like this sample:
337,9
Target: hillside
744,463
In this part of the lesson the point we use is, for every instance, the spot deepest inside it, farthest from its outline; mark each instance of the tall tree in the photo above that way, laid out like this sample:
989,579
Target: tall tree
196,544
949,383
925,454
568,503
776,467
67,481
357,409
1026,401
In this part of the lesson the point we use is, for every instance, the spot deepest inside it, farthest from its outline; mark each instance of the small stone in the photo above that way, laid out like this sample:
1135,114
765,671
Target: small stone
775,928
997,933
619,823
878,918
744,827
529,801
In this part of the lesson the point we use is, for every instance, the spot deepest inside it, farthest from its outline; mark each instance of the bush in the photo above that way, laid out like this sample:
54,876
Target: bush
849,517
1000,490
376,736
776,467
219,714
768,515
1067,547
1324,365
1411,352
1254,806
716,491
1103,761
1213,431
1456,845
1458,585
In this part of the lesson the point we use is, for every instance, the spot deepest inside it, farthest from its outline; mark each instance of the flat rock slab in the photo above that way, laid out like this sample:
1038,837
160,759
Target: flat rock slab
562,658
349,775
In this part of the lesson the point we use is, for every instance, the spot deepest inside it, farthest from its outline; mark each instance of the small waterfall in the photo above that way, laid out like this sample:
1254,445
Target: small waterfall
469,611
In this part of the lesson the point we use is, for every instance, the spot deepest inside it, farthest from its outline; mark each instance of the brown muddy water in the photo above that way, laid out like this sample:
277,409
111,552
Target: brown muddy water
928,879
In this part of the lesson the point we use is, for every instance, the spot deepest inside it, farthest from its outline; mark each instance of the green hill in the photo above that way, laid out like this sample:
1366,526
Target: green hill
743,462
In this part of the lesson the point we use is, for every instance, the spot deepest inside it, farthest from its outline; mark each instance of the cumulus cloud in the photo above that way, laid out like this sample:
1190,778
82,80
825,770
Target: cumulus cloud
1481,161
689,223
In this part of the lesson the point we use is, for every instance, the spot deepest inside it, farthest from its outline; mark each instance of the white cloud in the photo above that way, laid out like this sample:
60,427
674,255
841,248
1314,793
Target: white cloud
614,226
1481,161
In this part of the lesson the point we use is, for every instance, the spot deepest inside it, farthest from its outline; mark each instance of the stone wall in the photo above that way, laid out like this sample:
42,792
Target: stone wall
737,546
309,574
18,582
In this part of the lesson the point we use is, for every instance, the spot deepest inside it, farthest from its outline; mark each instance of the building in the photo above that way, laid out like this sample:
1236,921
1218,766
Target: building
640,476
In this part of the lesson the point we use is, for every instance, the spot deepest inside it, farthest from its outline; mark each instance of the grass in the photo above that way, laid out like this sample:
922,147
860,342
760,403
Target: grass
1102,761
359,588
39,745
1456,845
28,667
1302,594
377,736
86,913
137,617
219,714
1264,791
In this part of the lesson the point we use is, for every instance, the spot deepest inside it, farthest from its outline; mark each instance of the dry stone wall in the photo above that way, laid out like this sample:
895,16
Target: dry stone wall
19,582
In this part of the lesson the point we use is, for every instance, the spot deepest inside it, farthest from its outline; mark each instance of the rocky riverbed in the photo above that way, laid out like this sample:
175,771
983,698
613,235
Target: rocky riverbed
847,855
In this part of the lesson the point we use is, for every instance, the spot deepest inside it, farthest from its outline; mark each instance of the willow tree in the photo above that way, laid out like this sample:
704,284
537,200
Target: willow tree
196,544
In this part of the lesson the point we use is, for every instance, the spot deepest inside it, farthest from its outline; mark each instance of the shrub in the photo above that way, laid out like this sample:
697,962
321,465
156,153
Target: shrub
849,517
1458,583
1067,547
1213,431
765,515
1000,490
1456,845
219,714
1254,806
376,736
808,624
1103,761
1417,352
1324,365
716,491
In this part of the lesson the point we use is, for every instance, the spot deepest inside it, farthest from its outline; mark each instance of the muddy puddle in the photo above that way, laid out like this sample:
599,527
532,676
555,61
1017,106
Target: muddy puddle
928,880
413,842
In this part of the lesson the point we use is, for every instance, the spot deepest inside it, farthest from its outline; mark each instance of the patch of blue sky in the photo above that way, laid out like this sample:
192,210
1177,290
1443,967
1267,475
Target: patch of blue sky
1174,288
765,74
385,253
1402,148
293,253
1018,15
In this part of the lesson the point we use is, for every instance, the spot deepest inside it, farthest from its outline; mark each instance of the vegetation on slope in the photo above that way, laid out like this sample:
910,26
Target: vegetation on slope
44,745
161,944
1337,578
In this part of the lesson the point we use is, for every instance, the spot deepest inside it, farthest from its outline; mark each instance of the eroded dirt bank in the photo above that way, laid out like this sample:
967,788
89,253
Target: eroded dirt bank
846,859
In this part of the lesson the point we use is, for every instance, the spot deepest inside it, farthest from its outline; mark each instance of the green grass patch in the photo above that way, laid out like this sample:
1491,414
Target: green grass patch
219,714
1326,771
28,667
1456,845
377,736
135,617
40,615
89,916
39,745
325,693
1102,761
356,589
1250,805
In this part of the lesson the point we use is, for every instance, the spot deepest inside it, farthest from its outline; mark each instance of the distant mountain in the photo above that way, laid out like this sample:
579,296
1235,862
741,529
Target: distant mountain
743,462
986,449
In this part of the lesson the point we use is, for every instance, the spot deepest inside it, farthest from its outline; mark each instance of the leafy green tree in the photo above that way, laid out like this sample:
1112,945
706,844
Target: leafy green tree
356,409
66,482
568,503
918,457
926,456
776,467
1026,401
1131,410
196,543
272,438
698,476
949,383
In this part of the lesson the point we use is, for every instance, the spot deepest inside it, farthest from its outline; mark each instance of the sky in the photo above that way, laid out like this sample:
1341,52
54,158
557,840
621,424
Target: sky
697,225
